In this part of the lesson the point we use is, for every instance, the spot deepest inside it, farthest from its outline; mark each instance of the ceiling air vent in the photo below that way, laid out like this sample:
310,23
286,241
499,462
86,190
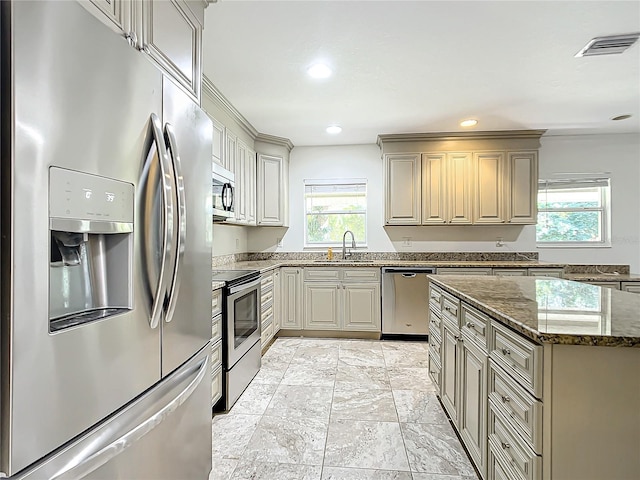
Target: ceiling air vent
608,45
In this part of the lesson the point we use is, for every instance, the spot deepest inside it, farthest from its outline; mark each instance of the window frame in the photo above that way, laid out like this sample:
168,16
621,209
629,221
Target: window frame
334,181
604,183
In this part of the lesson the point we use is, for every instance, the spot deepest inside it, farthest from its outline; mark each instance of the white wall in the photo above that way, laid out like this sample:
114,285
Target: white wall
618,154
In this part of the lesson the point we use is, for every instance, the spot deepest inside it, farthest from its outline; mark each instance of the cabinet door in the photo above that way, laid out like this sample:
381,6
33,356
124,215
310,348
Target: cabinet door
449,387
271,194
361,306
291,298
230,152
460,174
250,187
116,14
633,287
489,173
522,187
321,306
172,36
402,189
434,191
240,209
472,422
217,146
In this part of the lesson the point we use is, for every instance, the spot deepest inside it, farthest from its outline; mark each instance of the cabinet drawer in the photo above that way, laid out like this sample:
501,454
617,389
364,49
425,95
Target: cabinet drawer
267,334
435,346
435,297
434,327
434,317
435,370
475,324
521,358
321,274
216,328
216,354
510,272
266,313
216,302
633,287
507,446
266,281
266,297
517,406
216,385
450,310
546,272
496,469
361,274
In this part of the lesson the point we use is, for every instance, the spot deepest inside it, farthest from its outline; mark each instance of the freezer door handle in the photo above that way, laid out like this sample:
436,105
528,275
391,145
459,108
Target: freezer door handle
167,183
181,223
100,452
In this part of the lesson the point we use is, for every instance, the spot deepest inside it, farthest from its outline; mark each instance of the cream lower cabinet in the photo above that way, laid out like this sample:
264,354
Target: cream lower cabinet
342,299
633,287
450,357
277,302
291,298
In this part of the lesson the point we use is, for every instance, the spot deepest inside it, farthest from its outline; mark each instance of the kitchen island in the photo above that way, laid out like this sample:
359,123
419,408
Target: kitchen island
540,376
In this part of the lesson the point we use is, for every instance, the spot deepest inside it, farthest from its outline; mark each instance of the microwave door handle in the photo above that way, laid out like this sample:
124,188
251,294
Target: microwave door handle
167,194
181,223
227,194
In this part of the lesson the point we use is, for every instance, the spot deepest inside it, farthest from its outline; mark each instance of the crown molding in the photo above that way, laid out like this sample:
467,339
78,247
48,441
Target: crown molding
279,141
208,88
494,135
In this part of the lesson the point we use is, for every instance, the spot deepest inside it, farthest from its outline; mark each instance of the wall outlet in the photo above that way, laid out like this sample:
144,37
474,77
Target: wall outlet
499,242
237,244
406,241
279,242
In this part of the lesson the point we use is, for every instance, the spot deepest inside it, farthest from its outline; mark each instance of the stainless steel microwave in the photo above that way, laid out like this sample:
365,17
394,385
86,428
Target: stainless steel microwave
223,193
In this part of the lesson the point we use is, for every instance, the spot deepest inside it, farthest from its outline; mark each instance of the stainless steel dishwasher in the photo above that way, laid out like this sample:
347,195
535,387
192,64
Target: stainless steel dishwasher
405,300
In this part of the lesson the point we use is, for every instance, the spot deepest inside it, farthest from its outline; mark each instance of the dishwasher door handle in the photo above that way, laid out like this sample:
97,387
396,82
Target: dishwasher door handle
408,275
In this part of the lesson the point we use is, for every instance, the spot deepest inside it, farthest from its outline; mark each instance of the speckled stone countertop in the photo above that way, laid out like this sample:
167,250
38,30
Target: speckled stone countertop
215,285
550,310
266,265
602,277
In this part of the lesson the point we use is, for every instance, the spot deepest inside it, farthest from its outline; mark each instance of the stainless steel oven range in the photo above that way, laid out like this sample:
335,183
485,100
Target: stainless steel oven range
241,331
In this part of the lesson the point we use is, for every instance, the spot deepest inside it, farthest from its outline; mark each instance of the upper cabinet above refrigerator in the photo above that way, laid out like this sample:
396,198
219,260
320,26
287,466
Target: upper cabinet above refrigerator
169,31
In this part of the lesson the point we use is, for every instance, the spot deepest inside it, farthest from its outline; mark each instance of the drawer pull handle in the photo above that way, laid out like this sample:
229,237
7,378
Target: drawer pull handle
471,325
448,309
506,351
505,445
506,399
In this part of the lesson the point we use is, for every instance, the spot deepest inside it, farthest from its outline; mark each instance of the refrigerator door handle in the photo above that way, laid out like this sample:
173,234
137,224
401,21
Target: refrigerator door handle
100,453
178,251
167,183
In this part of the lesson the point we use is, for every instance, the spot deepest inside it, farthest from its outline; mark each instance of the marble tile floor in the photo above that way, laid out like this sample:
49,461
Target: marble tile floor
328,409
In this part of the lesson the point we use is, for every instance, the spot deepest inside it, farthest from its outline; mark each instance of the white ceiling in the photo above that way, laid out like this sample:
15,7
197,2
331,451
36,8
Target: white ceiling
422,66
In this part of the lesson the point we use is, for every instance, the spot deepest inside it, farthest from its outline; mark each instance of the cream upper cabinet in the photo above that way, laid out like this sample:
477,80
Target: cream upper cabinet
434,189
271,193
460,173
240,170
218,144
291,298
116,14
489,177
402,189
231,141
172,36
250,184
522,187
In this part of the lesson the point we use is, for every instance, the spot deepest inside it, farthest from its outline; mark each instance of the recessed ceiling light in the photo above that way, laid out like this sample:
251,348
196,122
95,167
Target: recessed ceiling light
621,117
469,123
334,129
319,70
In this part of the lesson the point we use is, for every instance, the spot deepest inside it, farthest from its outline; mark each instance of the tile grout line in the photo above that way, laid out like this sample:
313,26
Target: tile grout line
404,445
326,437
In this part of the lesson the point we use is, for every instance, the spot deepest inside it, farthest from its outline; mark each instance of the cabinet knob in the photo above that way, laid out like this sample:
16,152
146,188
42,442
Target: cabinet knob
506,398
505,445
132,38
506,351
471,325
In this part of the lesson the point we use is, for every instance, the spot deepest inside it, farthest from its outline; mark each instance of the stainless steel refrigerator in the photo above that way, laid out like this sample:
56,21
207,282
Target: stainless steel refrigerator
105,256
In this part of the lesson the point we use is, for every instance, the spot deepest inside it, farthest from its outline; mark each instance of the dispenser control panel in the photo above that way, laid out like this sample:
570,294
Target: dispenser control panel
83,196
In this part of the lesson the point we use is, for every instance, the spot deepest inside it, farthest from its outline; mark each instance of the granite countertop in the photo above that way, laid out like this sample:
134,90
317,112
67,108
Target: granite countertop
602,277
552,310
215,285
266,265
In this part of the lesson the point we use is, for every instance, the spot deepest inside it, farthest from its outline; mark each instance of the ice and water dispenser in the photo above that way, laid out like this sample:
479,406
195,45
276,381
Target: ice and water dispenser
91,247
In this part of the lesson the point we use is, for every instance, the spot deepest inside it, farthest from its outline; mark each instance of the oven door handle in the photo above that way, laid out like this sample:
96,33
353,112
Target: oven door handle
244,286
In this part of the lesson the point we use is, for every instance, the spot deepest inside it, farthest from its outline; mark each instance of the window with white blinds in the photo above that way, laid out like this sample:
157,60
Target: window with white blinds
574,212
333,207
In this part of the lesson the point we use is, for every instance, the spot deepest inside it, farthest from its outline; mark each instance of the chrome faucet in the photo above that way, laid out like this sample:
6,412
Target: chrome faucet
346,253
